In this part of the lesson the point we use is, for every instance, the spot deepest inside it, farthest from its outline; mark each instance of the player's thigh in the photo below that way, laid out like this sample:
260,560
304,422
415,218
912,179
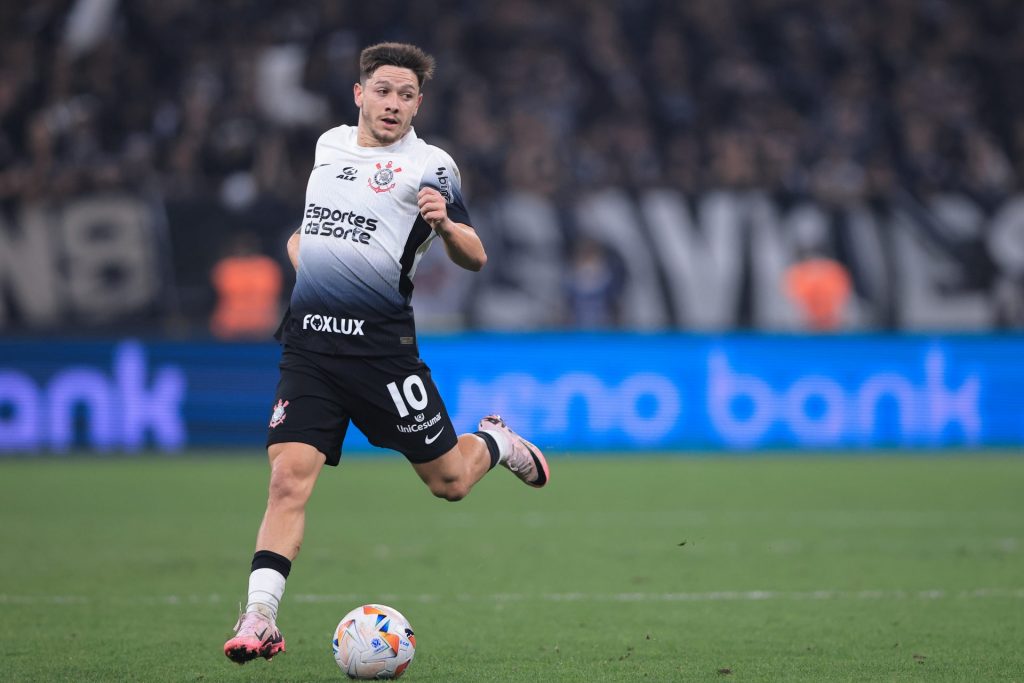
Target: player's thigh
394,402
301,458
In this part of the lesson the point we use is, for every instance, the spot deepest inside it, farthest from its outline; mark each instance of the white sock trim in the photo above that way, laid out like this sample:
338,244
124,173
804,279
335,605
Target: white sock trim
266,587
504,444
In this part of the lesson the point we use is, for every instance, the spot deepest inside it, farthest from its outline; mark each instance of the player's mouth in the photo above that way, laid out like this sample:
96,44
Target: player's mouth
389,121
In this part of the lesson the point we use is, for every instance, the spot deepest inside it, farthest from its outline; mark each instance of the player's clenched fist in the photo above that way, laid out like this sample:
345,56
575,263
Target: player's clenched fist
433,208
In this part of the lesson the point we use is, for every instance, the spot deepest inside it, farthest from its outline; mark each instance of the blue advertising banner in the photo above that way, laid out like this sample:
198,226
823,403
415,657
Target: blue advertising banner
579,392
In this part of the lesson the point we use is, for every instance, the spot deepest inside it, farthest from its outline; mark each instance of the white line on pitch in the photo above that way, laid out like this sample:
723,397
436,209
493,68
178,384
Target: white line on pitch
502,598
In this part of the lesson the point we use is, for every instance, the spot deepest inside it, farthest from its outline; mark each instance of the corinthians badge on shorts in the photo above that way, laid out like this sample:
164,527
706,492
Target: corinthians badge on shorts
384,179
279,414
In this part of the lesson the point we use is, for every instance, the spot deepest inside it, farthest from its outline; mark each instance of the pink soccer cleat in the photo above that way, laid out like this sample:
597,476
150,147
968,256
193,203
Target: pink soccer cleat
255,636
526,460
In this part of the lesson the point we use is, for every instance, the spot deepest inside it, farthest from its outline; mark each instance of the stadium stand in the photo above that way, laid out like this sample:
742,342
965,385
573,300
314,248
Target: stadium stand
692,142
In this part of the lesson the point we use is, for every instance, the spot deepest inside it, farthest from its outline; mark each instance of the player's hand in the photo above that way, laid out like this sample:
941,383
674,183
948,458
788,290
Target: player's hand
433,208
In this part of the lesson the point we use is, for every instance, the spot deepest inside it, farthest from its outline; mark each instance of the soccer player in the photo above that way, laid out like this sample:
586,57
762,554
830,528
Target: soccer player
377,198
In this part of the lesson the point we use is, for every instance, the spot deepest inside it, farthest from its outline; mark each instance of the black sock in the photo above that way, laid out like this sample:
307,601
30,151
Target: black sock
268,559
492,447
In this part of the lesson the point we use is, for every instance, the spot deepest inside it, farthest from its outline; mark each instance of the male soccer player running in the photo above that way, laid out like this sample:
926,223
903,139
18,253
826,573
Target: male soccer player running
377,198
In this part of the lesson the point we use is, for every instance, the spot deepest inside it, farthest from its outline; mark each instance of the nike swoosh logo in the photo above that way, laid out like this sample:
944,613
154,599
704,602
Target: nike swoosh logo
319,165
432,439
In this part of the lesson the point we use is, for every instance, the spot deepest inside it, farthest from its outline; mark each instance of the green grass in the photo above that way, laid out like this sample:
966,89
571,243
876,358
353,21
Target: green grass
623,569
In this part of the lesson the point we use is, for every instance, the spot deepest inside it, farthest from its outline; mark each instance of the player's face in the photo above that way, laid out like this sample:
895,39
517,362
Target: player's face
387,102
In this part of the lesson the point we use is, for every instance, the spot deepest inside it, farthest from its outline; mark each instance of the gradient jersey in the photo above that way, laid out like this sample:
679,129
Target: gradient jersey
362,238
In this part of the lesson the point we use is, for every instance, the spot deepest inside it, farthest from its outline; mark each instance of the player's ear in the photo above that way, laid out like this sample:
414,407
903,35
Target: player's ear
357,94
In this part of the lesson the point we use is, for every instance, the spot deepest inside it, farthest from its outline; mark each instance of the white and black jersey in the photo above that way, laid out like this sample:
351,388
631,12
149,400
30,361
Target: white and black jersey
361,239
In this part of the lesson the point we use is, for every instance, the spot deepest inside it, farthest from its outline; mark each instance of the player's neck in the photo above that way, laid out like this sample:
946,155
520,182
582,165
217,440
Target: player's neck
365,138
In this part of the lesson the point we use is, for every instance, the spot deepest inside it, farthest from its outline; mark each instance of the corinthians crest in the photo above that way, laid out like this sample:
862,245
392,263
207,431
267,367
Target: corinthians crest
384,179
279,414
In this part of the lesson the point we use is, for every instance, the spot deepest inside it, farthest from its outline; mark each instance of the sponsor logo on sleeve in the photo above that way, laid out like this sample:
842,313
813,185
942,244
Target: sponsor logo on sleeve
444,183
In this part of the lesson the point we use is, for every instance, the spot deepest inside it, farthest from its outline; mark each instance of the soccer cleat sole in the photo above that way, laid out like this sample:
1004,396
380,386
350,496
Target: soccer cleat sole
240,653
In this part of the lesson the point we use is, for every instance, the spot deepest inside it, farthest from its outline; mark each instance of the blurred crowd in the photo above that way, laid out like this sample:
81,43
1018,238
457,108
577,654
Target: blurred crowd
834,99
198,101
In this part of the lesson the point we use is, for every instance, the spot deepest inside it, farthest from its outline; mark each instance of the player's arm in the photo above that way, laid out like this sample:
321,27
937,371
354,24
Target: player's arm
293,248
460,240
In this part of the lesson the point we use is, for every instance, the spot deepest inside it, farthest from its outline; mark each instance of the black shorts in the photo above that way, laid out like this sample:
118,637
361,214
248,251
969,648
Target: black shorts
391,399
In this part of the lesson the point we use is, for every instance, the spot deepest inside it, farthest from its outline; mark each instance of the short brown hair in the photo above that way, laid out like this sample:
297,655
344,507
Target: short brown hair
402,55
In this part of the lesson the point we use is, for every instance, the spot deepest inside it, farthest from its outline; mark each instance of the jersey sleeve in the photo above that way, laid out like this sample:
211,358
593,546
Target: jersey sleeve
331,144
321,150
443,175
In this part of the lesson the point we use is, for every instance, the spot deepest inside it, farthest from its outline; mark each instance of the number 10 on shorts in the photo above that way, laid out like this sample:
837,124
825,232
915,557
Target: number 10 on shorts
410,387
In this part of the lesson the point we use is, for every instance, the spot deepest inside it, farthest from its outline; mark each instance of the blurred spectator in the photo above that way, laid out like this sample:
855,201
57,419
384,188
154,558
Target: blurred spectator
248,286
820,287
593,285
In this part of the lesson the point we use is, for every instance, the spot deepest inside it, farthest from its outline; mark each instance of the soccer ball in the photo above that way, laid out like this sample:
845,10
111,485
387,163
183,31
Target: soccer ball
374,641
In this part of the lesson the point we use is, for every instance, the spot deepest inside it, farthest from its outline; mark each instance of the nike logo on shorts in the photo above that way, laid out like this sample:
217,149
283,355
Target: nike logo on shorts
431,439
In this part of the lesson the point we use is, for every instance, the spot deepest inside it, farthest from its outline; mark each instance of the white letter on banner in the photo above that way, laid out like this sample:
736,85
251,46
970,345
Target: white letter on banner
666,400
927,294
81,386
1006,237
723,388
825,430
28,271
874,389
157,408
110,234
948,406
600,403
701,257
517,397
19,431
610,217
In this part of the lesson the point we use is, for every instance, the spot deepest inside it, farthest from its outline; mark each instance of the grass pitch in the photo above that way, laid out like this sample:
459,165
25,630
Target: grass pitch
623,569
